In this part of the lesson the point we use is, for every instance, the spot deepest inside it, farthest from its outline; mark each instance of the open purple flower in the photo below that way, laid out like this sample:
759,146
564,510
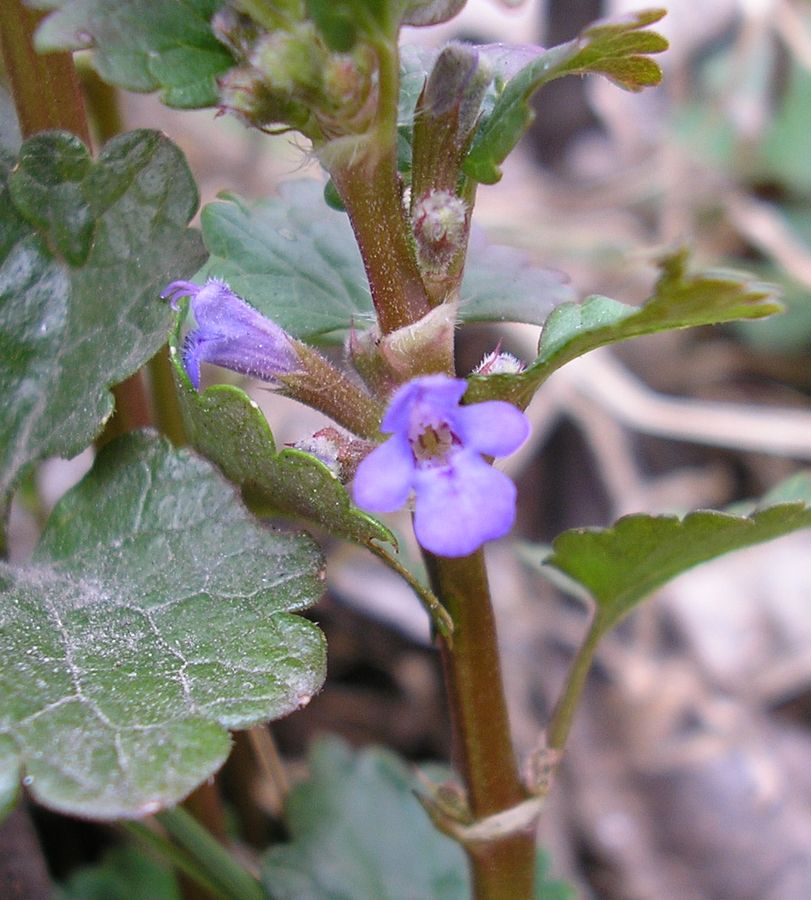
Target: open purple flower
436,448
230,333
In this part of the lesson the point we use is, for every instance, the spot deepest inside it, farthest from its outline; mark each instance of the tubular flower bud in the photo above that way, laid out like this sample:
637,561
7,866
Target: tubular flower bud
231,334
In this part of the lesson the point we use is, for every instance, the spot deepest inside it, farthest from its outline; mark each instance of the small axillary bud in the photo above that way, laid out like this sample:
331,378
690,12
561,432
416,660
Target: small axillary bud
340,453
289,61
440,222
499,363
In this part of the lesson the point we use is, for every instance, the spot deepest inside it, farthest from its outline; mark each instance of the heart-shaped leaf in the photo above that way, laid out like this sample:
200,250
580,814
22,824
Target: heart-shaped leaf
144,45
155,614
358,831
680,300
227,427
617,49
622,565
85,249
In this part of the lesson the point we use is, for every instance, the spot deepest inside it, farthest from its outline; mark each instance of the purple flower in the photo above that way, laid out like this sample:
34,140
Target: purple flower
436,448
230,333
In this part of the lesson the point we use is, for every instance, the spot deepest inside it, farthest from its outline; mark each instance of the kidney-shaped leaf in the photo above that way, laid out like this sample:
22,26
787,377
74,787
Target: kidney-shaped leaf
155,614
85,249
228,428
622,565
144,45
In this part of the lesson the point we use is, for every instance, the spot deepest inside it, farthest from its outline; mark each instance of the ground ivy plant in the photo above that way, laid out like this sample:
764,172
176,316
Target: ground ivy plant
160,610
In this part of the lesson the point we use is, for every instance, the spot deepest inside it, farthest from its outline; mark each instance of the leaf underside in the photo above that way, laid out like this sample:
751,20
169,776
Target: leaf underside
616,49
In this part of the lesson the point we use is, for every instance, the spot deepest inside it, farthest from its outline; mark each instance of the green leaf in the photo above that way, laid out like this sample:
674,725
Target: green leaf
124,873
358,831
85,249
622,565
144,45
9,776
342,22
155,614
295,259
680,300
227,427
502,284
615,49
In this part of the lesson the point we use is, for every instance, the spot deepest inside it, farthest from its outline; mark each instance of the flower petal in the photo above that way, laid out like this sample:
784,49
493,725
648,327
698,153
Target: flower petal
384,479
494,427
462,505
436,395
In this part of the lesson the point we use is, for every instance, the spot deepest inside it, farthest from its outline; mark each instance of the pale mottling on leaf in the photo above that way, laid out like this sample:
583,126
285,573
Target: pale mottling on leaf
155,614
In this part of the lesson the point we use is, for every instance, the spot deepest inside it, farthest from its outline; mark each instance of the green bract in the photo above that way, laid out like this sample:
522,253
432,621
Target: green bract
155,614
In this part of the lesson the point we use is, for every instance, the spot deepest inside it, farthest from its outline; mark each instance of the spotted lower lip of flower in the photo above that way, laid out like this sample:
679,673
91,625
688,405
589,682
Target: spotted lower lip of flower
231,334
436,449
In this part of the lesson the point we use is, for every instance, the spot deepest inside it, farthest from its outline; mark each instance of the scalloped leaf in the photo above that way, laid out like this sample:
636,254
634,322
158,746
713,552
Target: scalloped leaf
622,565
680,300
228,428
295,259
144,45
85,248
155,614
358,831
617,49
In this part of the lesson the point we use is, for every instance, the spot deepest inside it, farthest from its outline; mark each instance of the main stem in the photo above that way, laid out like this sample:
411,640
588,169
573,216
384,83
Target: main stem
45,88
503,867
368,183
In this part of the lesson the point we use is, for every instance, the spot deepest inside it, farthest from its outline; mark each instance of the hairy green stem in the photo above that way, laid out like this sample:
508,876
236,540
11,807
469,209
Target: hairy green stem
561,721
210,857
502,867
365,175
